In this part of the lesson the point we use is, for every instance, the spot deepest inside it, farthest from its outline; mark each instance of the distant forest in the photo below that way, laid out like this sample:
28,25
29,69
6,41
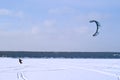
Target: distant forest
27,54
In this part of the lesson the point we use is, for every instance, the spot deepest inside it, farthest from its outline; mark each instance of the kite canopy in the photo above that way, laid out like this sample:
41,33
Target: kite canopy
97,25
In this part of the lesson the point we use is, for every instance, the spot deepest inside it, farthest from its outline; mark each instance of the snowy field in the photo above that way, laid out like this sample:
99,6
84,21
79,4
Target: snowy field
59,69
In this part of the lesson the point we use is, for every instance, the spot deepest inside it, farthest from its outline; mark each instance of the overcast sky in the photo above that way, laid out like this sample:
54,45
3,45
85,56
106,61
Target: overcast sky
59,25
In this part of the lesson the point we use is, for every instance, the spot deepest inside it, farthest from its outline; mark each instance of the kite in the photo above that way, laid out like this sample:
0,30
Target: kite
97,24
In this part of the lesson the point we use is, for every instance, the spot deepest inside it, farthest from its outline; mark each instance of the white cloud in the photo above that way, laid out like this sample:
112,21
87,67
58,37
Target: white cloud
35,30
61,10
49,23
5,12
19,14
82,30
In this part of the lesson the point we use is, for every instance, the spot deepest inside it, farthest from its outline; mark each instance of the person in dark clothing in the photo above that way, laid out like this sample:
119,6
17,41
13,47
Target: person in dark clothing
20,61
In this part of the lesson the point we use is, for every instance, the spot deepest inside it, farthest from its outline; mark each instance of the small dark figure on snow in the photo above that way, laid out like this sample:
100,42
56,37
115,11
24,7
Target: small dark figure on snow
20,61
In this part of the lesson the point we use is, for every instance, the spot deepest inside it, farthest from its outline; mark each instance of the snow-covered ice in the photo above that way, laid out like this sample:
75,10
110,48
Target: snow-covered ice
59,69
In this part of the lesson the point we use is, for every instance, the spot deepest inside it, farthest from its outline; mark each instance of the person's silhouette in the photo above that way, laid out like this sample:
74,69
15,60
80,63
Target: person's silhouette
20,61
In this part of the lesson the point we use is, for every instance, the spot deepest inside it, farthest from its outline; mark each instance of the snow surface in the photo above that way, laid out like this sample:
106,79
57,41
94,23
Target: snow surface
59,69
